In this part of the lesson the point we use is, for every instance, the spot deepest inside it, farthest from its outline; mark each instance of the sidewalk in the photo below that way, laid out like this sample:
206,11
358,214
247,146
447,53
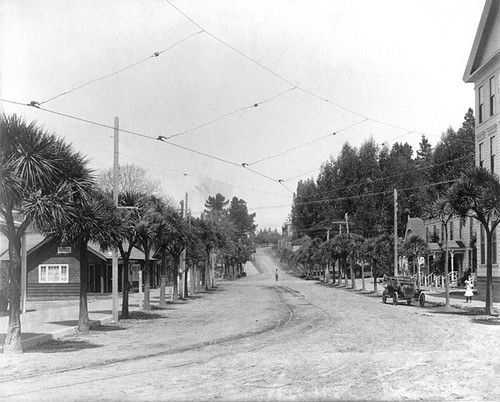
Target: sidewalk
47,320
476,306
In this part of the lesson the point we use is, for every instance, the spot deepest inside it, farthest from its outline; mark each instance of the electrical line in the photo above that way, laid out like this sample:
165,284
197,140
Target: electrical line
325,200
155,54
280,76
202,178
303,174
387,177
230,113
159,138
307,143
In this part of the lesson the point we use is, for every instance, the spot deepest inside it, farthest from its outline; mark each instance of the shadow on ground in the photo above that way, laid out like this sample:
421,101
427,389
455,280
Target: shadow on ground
24,335
62,346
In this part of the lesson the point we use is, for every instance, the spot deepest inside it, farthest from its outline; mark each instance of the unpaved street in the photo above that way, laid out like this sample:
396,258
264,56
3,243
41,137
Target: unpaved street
258,339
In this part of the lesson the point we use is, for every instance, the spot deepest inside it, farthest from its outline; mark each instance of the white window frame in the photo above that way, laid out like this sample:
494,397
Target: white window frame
63,250
60,268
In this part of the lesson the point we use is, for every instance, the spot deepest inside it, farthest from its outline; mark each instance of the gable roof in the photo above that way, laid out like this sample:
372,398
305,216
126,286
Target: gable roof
486,42
415,226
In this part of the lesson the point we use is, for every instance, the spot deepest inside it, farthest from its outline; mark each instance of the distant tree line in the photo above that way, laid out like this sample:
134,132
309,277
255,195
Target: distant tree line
361,182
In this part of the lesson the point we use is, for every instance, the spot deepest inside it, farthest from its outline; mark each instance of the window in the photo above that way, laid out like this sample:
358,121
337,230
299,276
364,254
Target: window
494,247
52,273
427,234
481,104
492,154
63,250
483,251
480,152
492,96
451,230
461,224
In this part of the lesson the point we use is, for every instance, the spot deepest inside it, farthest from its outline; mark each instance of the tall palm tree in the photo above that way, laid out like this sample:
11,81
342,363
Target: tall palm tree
129,212
96,221
150,222
39,176
477,194
415,247
442,209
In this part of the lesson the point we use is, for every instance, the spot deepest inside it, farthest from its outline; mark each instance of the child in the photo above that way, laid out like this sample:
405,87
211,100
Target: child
468,289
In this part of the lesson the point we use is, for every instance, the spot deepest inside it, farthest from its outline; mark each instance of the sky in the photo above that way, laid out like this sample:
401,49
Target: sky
256,95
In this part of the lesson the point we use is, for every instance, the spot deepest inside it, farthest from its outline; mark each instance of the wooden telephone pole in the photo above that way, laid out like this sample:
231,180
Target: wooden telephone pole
116,173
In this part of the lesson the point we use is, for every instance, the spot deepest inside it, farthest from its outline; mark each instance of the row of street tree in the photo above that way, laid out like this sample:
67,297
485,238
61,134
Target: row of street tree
439,182
46,186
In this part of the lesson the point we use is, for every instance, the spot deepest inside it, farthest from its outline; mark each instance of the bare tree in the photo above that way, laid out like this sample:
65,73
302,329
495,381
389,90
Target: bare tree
133,179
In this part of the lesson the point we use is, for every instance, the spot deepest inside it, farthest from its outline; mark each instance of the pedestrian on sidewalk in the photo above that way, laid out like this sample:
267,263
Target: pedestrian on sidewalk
276,274
469,285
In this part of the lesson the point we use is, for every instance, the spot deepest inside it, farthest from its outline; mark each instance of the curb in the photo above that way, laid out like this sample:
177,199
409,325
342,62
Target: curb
31,343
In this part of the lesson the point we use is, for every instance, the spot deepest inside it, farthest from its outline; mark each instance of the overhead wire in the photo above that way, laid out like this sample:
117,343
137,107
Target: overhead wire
306,143
154,55
159,138
388,177
229,114
201,177
325,200
313,94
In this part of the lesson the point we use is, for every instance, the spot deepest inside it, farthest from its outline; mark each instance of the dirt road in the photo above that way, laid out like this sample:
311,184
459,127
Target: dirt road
261,339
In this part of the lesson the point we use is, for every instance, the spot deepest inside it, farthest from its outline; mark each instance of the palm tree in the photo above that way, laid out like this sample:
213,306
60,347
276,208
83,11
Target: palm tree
442,209
96,221
477,194
129,206
170,237
414,247
150,222
39,176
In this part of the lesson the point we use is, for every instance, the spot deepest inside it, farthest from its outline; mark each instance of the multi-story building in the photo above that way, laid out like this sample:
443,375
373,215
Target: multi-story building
483,70
459,243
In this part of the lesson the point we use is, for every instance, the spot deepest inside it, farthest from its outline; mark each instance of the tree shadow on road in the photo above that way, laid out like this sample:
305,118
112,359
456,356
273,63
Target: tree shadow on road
63,346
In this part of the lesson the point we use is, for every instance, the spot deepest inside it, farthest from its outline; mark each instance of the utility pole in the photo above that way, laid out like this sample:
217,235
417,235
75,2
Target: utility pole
186,270
181,262
351,259
116,173
395,232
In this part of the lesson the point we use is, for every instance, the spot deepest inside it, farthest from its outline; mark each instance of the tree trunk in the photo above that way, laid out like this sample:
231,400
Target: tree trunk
163,282
446,277
192,270
375,289
83,316
4,286
363,286
186,289
147,278
125,288
207,275
13,340
353,274
489,273
344,266
175,277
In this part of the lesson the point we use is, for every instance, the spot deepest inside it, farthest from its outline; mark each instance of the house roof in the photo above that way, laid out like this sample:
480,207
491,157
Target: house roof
35,240
415,226
434,247
454,245
486,45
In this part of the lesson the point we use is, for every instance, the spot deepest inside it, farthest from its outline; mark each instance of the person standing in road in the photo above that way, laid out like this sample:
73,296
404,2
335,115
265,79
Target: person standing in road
468,290
276,274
